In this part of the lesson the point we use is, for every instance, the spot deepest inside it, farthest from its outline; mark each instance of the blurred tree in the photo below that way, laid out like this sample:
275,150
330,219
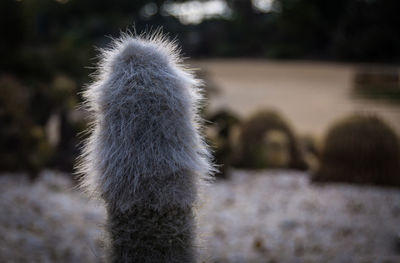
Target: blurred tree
11,30
368,32
362,30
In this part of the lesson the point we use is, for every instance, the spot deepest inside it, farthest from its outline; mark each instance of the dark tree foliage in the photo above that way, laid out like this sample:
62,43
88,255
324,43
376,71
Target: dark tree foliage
359,30
46,52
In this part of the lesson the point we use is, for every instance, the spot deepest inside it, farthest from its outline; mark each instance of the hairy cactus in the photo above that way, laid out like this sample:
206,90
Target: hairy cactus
145,157
360,149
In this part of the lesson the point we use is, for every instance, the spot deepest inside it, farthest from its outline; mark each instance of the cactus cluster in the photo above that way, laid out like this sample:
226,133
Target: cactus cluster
145,157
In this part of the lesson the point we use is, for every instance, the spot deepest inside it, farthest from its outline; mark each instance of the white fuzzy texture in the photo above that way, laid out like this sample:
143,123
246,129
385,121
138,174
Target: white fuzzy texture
144,146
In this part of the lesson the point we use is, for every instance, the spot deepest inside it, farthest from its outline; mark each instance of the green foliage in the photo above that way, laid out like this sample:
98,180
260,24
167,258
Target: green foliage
266,140
360,149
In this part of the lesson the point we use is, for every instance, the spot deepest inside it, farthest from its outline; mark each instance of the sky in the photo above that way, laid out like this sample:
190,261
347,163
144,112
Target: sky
193,12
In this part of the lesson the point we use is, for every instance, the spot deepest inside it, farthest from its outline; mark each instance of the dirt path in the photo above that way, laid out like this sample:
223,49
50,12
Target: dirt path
310,94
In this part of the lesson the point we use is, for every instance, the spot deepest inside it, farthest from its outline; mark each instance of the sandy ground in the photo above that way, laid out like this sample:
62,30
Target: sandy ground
270,216
310,94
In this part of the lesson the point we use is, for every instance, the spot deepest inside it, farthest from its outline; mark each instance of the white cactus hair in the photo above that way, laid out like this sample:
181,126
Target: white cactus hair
145,133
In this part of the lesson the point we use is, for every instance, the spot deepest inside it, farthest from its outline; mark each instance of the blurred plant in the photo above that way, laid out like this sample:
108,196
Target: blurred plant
23,144
144,156
267,141
311,148
63,92
219,133
37,127
66,121
360,149
377,83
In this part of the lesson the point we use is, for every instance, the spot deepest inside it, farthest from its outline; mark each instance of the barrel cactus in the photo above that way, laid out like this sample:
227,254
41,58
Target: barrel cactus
267,141
360,149
145,157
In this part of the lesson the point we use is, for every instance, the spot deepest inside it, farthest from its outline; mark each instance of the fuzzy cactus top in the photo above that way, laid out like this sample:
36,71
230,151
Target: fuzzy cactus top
144,144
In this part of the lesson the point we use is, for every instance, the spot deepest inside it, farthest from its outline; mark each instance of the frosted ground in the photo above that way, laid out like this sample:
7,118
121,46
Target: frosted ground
274,216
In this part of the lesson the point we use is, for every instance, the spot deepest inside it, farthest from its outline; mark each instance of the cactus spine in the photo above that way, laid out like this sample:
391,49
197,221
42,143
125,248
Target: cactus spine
145,157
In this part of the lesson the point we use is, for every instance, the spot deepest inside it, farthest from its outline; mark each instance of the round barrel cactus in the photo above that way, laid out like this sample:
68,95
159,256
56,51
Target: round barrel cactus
360,149
266,140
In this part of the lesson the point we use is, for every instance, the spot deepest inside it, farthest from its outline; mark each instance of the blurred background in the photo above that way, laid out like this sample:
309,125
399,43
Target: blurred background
302,113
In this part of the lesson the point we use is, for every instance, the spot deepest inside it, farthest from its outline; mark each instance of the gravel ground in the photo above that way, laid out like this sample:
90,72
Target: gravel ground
47,221
274,216
279,217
